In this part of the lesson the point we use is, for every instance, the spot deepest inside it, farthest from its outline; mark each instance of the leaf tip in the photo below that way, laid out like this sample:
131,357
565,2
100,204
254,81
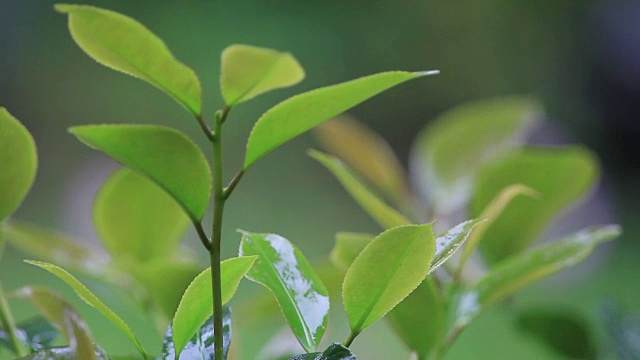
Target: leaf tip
63,8
427,72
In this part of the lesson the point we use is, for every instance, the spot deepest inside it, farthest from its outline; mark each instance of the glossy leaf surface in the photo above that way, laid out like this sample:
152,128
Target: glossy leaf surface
347,248
164,155
36,333
248,71
135,218
333,352
450,241
302,112
420,319
450,150
302,296
384,215
19,162
386,272
121,43
560,175
88,297
195,307
201,345
366,152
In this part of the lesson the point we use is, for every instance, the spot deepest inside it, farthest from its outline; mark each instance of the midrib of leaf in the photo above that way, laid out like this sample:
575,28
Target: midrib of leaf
255,84
387,280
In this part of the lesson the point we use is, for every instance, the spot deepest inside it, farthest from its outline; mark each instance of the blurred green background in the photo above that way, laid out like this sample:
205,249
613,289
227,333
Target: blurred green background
579,57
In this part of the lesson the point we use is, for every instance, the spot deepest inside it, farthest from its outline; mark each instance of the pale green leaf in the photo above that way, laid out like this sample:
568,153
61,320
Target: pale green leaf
121,43
302,112
19,162
87,296
164,155
386,272
248,71
196,304
202,344
347,248
382,213
448,242
284,270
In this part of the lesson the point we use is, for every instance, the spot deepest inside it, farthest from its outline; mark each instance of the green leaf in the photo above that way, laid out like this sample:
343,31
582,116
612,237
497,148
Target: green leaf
166,156
87,296
420,319
135,218
36,334
560,175
58,311
302,296
302,112
248,71
385,215
52,246
450,150
65,353
622,331
448,242
522,269
201,345
347,248
195,307
19,162
385,272
333,352
367,153
121,43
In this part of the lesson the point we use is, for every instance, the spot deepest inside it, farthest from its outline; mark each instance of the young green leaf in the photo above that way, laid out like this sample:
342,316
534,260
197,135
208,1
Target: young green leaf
385,215
201,345
248,71
347,248
195,307
164,155
87,296
19,162
135,218
448,152
420,319
560,175
121,43
333,352
386,272
302,296
302,112
451,240
367,153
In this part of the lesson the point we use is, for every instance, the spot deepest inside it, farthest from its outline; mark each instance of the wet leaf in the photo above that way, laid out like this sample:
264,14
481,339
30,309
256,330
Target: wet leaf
382,213
302,296
19,163
166,156
121,43
196,303
302,112
333,352
448,242
248,71
201,345
386,272
347,248
560,175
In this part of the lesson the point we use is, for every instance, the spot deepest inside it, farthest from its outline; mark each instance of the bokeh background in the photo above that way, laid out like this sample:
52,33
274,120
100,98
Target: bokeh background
580,58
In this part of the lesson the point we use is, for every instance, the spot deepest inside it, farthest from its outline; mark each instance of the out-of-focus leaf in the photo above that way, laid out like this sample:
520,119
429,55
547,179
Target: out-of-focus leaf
201,345
164,155
88,297
420,319
386,272
248,71
367,153
121,43
559,175
522,269
64,318
135,218
52,246
334,352
382,213
14,340
37,333
302,112
623,331
560,329
196,303
284,270
450,150
65,353
448,242
347,248
491,212
19,163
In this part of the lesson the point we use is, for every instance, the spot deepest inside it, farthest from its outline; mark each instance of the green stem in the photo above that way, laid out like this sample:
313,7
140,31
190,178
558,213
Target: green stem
352,337
10,326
